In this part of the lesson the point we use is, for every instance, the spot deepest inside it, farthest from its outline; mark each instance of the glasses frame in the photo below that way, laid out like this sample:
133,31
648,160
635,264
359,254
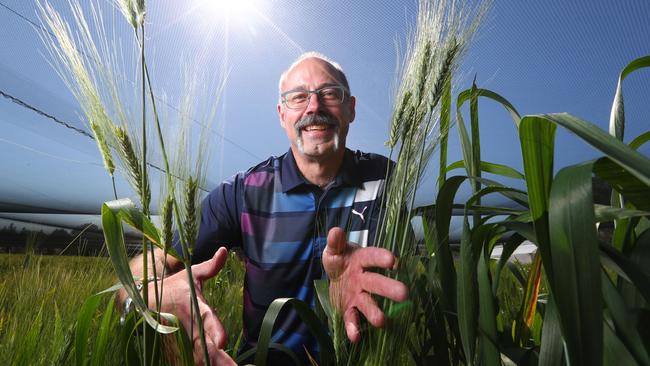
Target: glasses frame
283,96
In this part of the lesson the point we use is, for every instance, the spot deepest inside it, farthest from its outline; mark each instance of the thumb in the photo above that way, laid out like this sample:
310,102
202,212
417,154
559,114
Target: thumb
211,267
336,241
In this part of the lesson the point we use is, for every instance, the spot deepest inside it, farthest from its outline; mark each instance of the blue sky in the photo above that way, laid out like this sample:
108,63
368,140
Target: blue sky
544,56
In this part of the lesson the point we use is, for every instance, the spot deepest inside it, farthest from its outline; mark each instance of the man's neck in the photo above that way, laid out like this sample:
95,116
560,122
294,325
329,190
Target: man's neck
319,171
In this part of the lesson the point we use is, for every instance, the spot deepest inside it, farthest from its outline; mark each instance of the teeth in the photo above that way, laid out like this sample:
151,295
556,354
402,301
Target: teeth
316,128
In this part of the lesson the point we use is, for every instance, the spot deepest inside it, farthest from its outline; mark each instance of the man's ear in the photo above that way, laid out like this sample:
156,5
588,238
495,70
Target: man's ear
281,114
352,105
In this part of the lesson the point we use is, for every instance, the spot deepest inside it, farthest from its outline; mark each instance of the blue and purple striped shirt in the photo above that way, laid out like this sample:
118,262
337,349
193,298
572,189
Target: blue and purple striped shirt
281,221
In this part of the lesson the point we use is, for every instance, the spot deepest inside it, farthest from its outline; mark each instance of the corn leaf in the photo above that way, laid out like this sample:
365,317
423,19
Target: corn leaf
467,294
488,167
626,267
574,250
444,259
617,115
624,323
509,247
550,353
490,354
614,351
537,140
609,213
635,191
640,140
635,163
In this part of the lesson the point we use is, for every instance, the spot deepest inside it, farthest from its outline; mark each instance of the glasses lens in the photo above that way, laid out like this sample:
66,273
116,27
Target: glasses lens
331,95
299,99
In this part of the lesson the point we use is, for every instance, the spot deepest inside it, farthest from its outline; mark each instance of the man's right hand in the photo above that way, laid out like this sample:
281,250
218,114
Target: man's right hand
176,296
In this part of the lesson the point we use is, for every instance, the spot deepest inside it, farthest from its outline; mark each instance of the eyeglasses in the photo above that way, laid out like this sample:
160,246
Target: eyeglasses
328,95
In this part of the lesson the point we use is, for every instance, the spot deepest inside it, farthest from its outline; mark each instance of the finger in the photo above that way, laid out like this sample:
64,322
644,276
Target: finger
197,351
211,267
212,327
221,358
375,283
375,257
368,307
336,241
351,320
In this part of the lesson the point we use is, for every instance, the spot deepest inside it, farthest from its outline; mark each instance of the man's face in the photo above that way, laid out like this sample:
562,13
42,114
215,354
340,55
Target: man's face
317,131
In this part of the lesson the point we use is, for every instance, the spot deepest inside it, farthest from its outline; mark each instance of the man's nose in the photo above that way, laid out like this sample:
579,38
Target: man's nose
313,104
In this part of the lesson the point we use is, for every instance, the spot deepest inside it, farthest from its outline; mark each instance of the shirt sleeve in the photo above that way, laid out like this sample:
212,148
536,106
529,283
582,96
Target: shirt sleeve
219,225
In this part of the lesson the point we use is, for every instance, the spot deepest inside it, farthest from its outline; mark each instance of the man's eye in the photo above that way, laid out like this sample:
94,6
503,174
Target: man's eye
297,97
329,94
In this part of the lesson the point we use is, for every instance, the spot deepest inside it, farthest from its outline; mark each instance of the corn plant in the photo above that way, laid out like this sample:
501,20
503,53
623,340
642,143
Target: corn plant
594,310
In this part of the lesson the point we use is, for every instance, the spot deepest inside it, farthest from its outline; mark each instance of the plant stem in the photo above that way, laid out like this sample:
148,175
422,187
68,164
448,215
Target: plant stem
184,240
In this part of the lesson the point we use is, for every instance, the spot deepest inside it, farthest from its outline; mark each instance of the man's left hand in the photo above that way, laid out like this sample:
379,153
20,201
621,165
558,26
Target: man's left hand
351,285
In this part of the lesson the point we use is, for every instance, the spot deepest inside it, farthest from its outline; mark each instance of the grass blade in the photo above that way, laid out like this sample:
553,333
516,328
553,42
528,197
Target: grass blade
84,322
308,317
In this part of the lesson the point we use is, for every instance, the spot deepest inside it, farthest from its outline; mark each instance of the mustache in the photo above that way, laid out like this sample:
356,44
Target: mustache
313,119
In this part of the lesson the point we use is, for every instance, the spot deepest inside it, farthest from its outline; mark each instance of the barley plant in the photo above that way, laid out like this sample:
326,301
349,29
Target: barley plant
582,301
91,64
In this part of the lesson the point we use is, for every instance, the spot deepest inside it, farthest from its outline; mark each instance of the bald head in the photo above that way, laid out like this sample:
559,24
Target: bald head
332,66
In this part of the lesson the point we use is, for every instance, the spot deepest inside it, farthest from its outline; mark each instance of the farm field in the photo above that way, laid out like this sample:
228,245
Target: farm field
40,298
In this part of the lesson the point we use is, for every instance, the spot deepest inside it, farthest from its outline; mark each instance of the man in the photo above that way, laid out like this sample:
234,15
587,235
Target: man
288,214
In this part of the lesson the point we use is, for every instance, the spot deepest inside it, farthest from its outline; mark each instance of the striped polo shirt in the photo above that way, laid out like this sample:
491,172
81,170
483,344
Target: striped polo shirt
280,221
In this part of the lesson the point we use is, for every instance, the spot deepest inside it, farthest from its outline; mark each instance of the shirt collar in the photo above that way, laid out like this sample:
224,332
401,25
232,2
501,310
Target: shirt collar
291,177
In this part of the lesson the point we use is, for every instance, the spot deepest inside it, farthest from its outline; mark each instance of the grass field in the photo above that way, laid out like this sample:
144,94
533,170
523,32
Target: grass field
40,298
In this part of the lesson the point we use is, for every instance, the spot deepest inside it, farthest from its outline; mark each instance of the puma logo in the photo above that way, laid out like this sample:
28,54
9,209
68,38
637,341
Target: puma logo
360,214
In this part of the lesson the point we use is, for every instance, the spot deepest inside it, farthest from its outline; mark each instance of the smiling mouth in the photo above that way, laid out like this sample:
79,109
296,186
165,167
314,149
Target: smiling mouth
316,127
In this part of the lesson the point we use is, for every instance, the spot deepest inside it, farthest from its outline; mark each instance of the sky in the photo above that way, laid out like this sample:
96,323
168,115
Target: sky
543,56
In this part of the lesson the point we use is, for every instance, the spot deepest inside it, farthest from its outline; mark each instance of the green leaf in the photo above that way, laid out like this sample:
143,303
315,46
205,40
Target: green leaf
609,213
635,191
467,294
628,269
444,259
537,138
308,317
103,334
498,169
550,353
614,351
114,239
84,322
635,163
131,215
640,140
490,354
574,250
617,115
509,247
625,324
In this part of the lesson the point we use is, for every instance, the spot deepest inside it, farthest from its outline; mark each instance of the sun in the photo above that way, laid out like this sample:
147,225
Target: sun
243,12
